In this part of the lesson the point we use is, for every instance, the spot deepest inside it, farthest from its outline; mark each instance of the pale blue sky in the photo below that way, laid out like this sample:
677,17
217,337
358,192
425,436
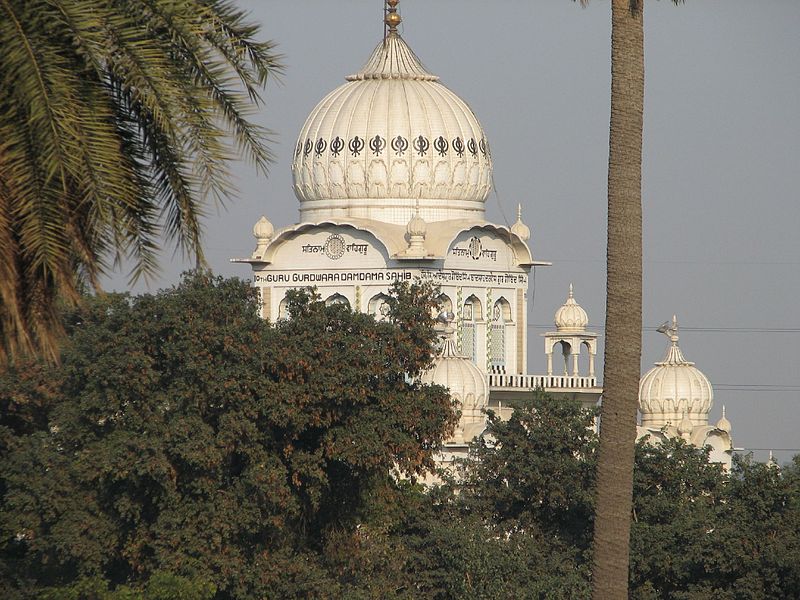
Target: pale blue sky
721,165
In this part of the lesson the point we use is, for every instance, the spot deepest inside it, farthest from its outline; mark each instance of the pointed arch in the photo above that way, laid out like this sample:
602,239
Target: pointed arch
500,320
283,310
445,303
566,352
471,314
502,308
378,306
337,299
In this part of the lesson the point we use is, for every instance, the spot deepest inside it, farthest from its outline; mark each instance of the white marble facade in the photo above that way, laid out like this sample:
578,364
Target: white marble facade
392,171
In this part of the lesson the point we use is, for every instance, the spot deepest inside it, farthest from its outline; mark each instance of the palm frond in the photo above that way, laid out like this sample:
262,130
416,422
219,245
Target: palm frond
118,120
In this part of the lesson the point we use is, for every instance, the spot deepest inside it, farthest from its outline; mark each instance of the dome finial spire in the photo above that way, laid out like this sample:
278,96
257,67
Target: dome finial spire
723,424
571,316
519,227
670,329
392,19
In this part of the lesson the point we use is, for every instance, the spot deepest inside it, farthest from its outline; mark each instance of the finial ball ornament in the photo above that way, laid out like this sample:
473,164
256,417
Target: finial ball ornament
393,20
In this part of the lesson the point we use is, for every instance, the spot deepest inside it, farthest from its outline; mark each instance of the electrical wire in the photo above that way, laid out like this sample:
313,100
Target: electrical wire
701,329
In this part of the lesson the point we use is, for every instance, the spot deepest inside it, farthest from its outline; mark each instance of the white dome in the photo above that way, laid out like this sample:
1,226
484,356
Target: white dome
724,424
571,317
390,137
674,388
263,229
467,385
519,228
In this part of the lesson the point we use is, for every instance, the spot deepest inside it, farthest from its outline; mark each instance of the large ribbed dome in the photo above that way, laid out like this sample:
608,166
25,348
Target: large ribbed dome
389,137
674,389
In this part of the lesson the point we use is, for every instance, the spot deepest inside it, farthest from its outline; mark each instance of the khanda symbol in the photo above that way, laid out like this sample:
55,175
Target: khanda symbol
483,147
377,144
400,145
421,145
473,147
356,145
320,147
458,146
307,147
441,145
337,145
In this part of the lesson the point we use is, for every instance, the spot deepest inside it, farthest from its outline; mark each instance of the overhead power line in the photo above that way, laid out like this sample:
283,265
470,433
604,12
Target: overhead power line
682,262
721,387
698,329
768,449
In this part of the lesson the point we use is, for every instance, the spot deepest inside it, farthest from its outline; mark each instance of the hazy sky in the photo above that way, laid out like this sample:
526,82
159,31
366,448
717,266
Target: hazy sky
721,165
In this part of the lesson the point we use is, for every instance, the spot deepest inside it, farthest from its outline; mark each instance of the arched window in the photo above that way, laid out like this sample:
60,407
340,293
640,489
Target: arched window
283,310
501,316
378,307
471,313
590,359
445,305
566,352
337,299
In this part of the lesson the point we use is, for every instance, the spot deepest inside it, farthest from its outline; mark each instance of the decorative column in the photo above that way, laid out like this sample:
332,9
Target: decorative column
575,356
488,327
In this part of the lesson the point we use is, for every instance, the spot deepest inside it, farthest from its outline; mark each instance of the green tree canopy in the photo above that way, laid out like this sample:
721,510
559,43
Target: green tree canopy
118,118
186,448
183,434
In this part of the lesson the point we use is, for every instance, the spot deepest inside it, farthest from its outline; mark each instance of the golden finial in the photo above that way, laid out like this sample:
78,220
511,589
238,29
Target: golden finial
392,19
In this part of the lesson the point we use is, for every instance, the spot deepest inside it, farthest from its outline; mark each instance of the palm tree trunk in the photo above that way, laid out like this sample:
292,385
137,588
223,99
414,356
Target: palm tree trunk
623,305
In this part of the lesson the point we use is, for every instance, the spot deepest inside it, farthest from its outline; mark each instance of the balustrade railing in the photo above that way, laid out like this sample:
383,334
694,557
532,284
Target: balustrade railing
529,382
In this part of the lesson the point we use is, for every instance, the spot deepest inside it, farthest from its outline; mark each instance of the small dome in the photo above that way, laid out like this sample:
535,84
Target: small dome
772,462
263,229
723,424
685,427
571,317
417,227
519,228
467,385
389,137
673,388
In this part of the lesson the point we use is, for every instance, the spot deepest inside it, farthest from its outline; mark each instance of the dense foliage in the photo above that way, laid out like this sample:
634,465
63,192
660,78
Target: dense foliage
184,434
187,449
118,121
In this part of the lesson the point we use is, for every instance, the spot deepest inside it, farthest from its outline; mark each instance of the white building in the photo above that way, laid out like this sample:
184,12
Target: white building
392,171
675,398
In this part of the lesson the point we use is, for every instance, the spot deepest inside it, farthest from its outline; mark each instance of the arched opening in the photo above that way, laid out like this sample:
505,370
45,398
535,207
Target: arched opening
444,304
283,310
378,307
589,359
337,299
501,318
471,313
566,352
